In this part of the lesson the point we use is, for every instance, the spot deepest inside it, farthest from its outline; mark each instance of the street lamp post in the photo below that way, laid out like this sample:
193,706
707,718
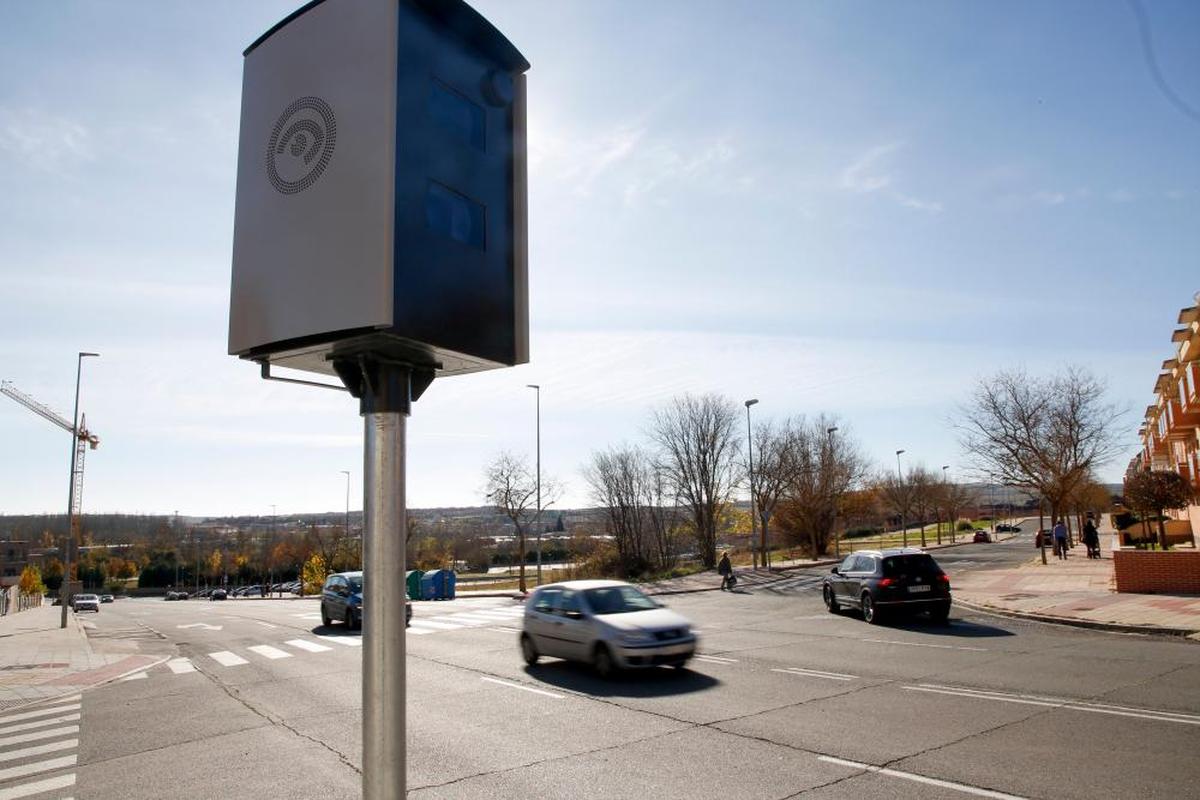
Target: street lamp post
903,500
65,588
537,389
271,582
952,522
346,472
750,451
837,541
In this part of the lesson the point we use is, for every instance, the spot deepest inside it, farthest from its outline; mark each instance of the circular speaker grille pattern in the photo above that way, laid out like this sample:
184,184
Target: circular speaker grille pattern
301,145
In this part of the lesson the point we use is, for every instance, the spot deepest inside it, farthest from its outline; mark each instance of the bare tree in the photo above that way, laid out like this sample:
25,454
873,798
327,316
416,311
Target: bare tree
1044,436
923,486
1151,493
662,516
775,465
953,498
617,478
698,445
897,496
826,468
512,488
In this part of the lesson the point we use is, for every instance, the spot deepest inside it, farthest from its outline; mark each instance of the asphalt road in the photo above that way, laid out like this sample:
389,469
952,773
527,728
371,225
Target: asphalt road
256,699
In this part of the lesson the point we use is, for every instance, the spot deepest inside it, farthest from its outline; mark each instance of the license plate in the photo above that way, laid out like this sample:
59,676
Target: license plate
920,588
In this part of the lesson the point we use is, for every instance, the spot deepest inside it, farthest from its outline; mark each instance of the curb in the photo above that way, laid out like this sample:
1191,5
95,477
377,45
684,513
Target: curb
1075,622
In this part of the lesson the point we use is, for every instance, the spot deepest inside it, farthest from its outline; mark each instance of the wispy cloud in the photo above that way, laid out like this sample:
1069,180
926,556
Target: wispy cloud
1121,196
868,174
43,141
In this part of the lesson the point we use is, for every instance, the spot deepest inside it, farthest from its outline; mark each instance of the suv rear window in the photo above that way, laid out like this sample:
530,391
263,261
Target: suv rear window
916,564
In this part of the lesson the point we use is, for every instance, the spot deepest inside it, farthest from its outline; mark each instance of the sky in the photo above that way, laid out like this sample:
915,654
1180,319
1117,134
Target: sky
857,208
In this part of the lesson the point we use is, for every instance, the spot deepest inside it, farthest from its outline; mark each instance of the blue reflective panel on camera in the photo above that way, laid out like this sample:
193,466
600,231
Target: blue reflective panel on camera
454,215
457,115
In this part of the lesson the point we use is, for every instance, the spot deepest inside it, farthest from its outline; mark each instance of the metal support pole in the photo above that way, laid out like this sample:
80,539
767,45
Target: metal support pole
383,661
538,533
65,588
903,499
750,464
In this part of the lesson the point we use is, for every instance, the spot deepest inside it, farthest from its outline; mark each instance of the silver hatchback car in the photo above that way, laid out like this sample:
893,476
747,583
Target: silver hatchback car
609,624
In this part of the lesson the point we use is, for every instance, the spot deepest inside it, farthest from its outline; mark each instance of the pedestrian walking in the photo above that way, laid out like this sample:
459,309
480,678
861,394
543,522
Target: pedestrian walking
1060,539
725,569
1091,538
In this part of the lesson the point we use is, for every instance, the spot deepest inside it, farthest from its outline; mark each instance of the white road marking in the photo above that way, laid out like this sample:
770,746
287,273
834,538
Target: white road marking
41,712
181,665
265,624
716,659
418,631
499,614
470,619
137,676
305,644
502,629
1053,702
346,641
28,789
89,625
203,625
924,644
38,766
40,749
812,673
911,776
437,626
523,688
68,730
40,723
227,659
266,651
315,617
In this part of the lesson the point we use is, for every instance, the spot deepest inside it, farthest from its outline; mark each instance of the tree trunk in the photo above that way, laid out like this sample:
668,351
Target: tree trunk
521,558
1162,531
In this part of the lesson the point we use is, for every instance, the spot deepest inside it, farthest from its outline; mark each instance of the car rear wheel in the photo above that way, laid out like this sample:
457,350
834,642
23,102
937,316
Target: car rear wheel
830,601
603,663
350,619
940,613
870,613
529,650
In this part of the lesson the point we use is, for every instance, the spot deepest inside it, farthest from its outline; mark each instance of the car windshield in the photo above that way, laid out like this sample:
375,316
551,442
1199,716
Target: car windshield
617,600
917,564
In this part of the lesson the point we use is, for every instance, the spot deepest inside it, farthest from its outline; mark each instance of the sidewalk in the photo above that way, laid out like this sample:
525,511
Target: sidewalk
1077,591
40,660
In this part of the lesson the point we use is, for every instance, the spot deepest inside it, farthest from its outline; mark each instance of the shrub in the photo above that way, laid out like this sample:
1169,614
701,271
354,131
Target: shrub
963,525
861,531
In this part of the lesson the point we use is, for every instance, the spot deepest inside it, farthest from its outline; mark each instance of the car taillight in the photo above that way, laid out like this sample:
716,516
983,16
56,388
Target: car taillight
886,582
944,578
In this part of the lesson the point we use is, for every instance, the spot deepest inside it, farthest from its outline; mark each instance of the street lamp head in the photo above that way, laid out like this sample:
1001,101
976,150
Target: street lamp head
898,452
831,431
945,466
533,386
89,355
751,402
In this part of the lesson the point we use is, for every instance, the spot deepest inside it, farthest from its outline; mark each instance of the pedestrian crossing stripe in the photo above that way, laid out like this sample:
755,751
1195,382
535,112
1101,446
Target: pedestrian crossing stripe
44,735
304,644
227,659
181,665
266,651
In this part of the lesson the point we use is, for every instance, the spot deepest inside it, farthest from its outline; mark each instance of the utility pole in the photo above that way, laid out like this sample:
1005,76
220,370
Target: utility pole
65,588
750,464
538,517
903,497
837,540
346,472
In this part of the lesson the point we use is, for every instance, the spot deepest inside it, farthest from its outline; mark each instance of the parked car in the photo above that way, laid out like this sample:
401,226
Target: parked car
106,598
85,602
610,624
882,581
173,595
982,536
218,594
1008,528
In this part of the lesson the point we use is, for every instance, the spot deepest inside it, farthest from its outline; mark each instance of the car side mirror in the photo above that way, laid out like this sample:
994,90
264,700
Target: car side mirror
836,571
573,614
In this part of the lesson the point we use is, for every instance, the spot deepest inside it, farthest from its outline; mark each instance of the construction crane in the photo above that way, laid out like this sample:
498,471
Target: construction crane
84,440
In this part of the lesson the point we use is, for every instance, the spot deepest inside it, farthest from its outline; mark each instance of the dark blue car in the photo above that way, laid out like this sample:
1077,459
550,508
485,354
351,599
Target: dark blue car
342,600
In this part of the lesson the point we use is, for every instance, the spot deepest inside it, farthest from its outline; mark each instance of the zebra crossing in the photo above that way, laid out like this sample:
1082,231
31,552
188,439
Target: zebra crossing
38,750
788,585
497,616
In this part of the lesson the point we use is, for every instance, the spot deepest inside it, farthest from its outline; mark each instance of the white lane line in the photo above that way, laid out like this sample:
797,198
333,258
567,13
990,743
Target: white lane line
40,723
808,673
29,789
502,629
345,641
305,644
437,626
49,765
41,712
181,665
418,631
266,651
137,676
307,615
500,613
924,644
39,750
912,776
227,659
1050,702
523,688
68,730
265,624
716,659
470,619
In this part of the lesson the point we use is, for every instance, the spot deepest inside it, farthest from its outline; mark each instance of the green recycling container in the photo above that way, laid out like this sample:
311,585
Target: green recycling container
412,583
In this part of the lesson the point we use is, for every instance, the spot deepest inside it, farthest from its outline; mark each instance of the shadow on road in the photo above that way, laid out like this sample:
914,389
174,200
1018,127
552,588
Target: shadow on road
336,630
654,682
960,628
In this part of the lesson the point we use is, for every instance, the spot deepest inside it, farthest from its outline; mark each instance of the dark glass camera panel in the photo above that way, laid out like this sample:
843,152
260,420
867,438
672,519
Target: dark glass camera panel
455,216
458,116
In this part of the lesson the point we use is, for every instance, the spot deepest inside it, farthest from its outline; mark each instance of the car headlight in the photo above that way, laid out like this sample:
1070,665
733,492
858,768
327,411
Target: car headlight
636,637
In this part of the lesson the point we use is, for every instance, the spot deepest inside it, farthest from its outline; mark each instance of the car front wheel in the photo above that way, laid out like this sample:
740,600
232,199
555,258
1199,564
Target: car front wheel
529,650
830,601
326,620
603,662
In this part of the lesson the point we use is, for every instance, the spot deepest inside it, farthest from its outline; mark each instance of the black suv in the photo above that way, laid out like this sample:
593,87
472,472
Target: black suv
880,581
